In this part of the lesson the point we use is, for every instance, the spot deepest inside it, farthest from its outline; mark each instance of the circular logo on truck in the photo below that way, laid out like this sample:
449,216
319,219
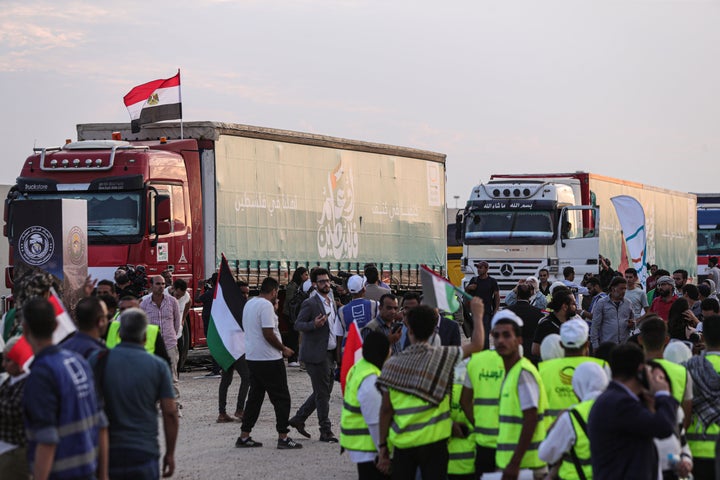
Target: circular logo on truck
506,270
76,245
36,245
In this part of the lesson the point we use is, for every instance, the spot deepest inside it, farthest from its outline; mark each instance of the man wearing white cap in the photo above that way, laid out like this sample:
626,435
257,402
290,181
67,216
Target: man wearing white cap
523,402
360,308
557,374
568,439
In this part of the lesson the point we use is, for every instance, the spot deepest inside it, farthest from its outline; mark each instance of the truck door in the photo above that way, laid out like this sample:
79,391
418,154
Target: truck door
579,240
173,250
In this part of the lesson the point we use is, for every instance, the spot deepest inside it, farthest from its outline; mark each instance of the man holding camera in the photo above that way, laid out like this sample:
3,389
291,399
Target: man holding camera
322,336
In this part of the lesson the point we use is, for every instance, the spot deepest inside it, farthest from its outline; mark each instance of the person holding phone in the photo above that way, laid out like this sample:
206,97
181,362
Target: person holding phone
386,322
635,409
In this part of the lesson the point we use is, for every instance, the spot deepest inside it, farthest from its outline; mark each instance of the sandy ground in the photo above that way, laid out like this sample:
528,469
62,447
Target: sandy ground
206,449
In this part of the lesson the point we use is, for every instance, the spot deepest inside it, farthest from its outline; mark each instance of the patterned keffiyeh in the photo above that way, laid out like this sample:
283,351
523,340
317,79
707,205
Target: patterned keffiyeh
706,390
422,370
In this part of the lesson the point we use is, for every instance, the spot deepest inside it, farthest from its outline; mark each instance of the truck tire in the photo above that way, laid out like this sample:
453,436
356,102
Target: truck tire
183,345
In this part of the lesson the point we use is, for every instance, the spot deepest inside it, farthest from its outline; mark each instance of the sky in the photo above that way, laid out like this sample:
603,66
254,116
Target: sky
627,89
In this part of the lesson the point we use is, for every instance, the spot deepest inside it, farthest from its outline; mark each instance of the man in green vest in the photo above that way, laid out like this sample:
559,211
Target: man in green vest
557,374
653,338
153,341
480,399
359,422
567,441
703,432
461,445
416,385
523,402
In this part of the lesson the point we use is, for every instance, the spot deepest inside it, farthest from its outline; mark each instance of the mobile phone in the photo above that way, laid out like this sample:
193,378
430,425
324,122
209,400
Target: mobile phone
395,327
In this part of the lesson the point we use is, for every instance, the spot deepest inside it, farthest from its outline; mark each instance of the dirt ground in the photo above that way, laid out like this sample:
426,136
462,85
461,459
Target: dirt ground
206,449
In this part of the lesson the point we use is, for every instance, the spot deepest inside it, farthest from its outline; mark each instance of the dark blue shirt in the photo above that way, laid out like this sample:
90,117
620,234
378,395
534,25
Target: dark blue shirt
83,344
60,408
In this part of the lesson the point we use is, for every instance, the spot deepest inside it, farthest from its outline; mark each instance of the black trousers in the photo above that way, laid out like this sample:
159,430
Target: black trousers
484,460
267,376
368,471
431,459
240,366
322,377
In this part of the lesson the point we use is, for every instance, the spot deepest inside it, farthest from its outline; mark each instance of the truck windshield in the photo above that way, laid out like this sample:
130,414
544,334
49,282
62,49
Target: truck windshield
501,227
113,217
708,240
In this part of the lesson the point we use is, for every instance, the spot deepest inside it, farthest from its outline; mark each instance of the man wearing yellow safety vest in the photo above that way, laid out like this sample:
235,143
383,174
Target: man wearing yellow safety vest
359,422
416,385
703,432
567,441
461,446
523,402
557,374
480,399
653,338
153,341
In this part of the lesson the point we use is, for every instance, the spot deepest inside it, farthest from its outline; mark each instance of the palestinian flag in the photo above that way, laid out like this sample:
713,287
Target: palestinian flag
65,325
437,291
154,101
225,336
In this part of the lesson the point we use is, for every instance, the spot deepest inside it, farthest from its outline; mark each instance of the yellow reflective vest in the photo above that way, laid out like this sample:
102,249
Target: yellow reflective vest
113,336
702,442
354,432
461,451
418,422
511,419
486,372
568,470
677,377
557,377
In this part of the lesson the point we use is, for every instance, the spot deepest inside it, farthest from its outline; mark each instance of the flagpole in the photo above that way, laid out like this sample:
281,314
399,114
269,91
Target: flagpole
180,95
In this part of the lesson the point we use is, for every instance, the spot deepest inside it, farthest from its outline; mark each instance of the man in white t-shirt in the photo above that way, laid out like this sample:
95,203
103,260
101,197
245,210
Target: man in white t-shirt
264,352
179,291
635,293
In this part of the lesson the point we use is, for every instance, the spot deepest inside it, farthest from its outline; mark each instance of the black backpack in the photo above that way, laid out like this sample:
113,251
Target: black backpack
295,303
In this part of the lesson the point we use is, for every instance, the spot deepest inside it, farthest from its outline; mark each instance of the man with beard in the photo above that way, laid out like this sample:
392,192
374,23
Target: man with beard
665,297
613,318
563,308
322,331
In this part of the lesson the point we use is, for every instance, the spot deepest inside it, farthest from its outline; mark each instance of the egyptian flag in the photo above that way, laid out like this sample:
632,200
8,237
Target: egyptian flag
21,353
225,336
154,102
65,325
352,352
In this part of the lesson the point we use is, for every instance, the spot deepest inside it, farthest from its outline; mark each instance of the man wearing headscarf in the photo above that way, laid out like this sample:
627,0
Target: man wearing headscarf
568,439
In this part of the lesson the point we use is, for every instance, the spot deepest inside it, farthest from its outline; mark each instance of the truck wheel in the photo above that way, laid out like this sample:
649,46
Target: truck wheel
183,345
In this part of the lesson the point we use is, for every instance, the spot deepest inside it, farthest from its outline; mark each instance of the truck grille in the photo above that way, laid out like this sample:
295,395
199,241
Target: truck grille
508,271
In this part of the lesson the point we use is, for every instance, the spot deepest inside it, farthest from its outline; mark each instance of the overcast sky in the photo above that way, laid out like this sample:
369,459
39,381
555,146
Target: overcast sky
622,88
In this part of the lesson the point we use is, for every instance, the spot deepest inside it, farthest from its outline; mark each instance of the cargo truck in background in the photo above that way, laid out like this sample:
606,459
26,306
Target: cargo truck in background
523,223
269,199
708,230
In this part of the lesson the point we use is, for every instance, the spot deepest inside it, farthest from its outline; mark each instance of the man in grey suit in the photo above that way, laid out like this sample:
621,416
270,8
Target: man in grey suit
322,336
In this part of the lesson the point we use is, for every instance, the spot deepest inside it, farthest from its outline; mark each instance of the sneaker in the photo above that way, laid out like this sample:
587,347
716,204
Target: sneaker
247,443
239,414
224,418
328,437
299,425
293,364
288,443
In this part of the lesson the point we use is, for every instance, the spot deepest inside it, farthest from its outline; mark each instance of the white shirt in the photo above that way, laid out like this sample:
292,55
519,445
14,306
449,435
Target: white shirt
369,399
182,301
335,326
259,313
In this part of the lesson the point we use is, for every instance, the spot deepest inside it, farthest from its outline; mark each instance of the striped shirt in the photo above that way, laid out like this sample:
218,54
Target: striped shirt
166,316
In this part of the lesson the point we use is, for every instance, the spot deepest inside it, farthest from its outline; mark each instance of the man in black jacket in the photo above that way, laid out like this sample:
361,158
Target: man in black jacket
621,426
530,316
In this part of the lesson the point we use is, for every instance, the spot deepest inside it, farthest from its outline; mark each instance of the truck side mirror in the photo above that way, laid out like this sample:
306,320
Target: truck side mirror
162,215
163,227
459,225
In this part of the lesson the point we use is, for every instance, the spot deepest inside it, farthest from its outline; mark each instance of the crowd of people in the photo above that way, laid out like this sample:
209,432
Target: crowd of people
598,378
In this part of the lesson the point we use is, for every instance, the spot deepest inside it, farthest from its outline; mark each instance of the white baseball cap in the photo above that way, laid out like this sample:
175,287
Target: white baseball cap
355,284
574,333
506,315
